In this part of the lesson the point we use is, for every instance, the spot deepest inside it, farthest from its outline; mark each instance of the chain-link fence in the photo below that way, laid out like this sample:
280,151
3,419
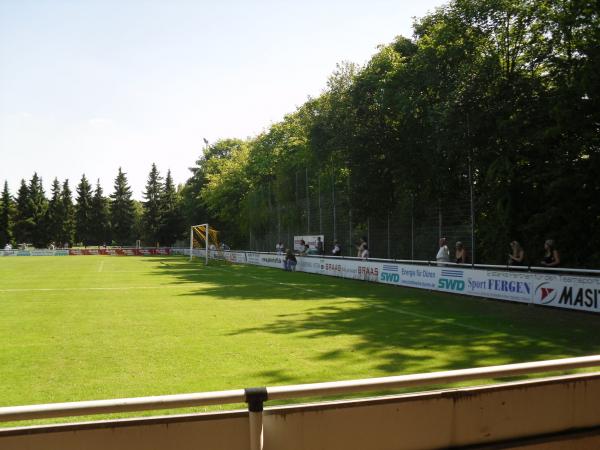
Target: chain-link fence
323,205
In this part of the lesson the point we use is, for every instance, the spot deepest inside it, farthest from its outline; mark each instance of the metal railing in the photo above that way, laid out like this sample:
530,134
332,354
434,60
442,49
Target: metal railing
255,397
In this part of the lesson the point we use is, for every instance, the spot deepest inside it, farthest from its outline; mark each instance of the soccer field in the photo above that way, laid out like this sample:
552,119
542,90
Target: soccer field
99,327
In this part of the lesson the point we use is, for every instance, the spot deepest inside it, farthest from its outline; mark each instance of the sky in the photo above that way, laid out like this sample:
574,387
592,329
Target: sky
90,86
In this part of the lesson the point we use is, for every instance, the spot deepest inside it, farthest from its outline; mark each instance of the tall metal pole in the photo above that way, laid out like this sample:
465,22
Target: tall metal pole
471,193
320,210
412,227
333,200
388,235
307,202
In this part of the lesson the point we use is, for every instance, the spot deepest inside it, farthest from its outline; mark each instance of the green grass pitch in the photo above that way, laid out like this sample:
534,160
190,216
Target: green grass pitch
99,327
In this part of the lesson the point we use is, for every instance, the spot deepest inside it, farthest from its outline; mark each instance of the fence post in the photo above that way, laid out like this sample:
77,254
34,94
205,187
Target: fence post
255,397
333,200
307,201
388,235
439,219
412,227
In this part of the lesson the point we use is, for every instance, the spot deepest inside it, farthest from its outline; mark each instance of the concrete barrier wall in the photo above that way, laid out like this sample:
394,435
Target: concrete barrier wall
546,410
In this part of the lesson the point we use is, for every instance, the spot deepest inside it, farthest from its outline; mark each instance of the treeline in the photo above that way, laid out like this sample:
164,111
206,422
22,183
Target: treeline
499,96
92,218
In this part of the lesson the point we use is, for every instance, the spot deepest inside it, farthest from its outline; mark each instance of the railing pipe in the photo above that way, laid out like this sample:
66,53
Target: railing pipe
403,381
288,392
47,411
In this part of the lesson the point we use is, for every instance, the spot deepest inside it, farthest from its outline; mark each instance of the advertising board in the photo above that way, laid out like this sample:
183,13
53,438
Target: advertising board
311,240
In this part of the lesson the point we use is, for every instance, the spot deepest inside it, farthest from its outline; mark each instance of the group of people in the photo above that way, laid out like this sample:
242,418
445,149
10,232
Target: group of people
516,257
290,261
551,258
443,254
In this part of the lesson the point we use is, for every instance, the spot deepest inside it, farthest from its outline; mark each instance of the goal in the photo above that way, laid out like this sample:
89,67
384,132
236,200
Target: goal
204,242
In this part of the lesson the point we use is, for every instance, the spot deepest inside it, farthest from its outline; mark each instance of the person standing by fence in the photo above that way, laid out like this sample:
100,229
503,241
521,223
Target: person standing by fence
460,253
551,255
289,264
443,254
517,255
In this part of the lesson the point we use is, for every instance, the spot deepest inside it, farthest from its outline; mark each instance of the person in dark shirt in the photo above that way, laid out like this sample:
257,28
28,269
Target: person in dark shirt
551,255
460,253
289,264
517,255
319,246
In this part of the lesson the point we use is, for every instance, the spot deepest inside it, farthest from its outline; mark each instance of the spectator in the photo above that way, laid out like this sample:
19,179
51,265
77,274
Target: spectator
279,248
337,249
362,246
443,254
365,252
460,253
289,263
517,254
319,246
551,256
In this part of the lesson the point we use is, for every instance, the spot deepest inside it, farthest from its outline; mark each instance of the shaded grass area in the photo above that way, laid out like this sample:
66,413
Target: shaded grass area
95,327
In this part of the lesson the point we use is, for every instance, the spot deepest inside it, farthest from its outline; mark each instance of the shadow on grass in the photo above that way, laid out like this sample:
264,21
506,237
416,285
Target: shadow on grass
403,330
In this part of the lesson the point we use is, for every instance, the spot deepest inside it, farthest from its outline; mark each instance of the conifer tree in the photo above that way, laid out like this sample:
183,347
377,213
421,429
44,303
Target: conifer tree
67,215
83,213
100,217
22,226
171,226
152,207
122,213
6,216
53,221
36,212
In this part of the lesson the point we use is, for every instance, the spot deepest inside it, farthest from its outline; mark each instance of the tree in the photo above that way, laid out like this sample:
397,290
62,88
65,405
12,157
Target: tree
22,226
67,211
6,216
84,213
172,222
36,212
54,215
100,217
122,212
152,207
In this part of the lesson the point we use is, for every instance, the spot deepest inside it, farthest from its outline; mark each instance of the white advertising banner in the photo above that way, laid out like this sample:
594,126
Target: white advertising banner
562,291
571,292
311,240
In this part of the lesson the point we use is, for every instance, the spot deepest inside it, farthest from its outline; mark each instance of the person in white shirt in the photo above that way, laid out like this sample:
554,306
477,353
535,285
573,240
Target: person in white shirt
279,248
443,254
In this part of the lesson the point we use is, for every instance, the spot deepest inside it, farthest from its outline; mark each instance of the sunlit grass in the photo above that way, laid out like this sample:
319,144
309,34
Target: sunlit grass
97,327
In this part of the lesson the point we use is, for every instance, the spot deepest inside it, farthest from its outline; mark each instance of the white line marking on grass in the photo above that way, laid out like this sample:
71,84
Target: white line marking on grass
122,288
101,266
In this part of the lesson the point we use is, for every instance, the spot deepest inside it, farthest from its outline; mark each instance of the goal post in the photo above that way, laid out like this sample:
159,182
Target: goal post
204,237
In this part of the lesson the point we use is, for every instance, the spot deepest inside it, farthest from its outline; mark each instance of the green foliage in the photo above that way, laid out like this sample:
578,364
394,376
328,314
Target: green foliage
172,224
6,216
84,213
152,207
122,211
100,217
506,88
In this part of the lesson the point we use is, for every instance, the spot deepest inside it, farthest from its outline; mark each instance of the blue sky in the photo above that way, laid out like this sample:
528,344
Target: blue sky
88,86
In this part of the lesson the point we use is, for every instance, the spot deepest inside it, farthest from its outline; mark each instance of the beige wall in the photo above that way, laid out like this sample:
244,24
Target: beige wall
417,421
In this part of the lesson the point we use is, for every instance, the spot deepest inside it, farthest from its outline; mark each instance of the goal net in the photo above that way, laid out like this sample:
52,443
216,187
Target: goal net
204,243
